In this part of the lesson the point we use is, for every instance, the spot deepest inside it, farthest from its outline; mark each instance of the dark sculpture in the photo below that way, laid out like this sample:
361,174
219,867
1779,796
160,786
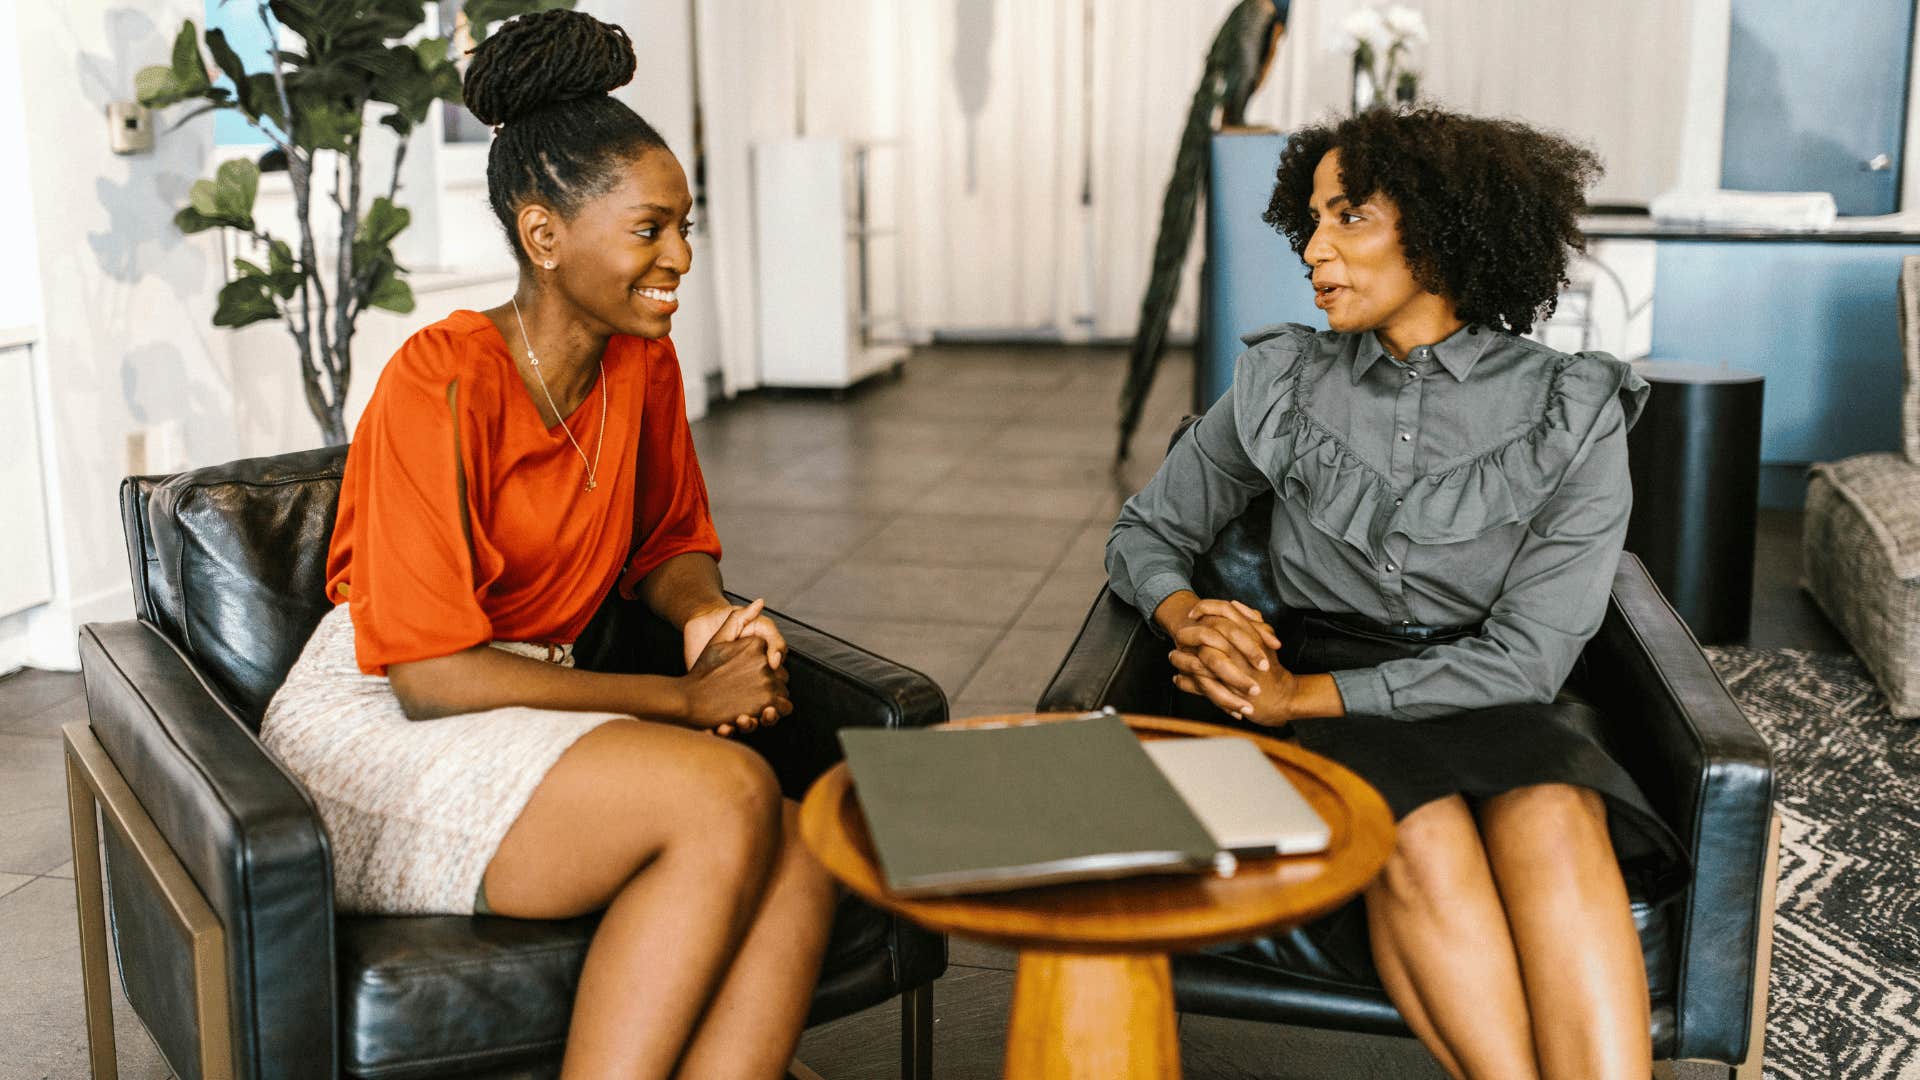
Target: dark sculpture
1237,63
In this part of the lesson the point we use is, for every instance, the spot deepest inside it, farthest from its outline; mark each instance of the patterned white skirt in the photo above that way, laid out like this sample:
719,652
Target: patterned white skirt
414,809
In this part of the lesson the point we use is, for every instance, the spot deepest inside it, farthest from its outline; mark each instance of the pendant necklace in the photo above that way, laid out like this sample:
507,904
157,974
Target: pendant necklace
593,467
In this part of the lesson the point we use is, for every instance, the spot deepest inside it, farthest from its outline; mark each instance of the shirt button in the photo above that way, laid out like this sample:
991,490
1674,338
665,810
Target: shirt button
1404,437
1406,622
1397,502
1392,569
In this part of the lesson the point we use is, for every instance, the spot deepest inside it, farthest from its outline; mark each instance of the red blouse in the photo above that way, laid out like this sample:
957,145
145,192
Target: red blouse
541,551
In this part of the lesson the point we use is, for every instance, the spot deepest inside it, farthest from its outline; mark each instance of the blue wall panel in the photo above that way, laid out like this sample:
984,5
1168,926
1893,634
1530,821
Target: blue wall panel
1254,278
1819,320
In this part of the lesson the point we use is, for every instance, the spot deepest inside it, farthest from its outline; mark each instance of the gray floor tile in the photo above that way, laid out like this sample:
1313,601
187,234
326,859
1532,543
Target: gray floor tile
1063,600
945,652
32,772
969,709
1019,667
41,1005
990,498
772,492
968,540
965,952
775,579
1059,438
1033,470
34,840
969,1032
47,722
764,531
64,870
1218,1049
10,882
962,595
31,690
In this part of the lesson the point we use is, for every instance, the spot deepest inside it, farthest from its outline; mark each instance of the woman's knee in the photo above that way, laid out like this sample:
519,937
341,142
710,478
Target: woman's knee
1437,853
1563,818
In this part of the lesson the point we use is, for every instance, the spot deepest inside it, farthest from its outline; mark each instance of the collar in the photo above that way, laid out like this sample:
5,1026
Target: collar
1458,354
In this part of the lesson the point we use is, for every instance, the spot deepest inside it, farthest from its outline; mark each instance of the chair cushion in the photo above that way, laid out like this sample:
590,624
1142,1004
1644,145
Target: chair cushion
454,995
240,558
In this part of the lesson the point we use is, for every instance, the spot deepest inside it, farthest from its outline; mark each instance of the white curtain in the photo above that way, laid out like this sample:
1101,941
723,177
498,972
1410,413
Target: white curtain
1613,75
984,113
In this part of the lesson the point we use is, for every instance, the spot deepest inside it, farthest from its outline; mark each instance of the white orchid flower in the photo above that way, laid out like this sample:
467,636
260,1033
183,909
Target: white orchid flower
1406,24
1367,27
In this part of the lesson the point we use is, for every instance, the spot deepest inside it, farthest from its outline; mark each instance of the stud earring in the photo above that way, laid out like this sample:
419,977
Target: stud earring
549,264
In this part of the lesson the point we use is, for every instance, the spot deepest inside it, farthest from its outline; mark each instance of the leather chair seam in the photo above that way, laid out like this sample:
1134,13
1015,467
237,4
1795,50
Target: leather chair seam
406,1066
387,975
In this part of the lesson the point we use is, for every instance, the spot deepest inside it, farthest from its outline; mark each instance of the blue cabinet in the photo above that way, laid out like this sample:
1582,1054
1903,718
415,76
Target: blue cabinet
1253,278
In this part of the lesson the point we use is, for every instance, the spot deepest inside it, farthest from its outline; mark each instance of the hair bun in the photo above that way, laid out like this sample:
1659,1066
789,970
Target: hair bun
543,59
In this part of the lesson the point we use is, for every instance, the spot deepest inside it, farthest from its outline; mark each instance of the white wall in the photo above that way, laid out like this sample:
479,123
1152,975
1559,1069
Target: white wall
124,298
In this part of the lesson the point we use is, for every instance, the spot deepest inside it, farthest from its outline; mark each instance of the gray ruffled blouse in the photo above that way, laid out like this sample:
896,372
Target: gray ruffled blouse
1483,481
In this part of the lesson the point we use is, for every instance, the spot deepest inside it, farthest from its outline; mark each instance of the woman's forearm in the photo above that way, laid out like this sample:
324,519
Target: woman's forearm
682,587
483,677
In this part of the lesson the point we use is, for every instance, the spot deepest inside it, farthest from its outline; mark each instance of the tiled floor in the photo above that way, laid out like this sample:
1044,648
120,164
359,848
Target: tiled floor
952,519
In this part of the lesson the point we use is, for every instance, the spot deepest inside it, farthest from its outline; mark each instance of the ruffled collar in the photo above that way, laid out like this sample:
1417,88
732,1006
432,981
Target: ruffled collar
1458,352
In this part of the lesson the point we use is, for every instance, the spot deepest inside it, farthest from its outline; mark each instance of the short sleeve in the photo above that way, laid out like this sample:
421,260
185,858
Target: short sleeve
402,553
671,514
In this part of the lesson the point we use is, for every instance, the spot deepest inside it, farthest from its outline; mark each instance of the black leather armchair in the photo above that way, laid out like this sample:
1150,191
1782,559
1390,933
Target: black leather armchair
1669,720
218,878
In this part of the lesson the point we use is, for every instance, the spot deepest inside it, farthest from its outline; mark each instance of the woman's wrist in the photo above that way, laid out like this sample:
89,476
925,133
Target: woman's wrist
1315,697
1172,612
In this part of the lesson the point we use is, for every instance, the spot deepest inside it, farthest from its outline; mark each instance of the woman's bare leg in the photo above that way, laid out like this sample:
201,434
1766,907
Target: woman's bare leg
1579,953
754,1022
675,834
1442,946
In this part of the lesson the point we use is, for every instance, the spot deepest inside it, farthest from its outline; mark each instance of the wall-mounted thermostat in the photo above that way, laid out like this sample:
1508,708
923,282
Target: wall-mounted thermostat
129,127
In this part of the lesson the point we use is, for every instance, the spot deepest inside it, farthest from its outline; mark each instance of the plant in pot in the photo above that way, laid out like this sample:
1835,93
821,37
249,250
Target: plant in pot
331,66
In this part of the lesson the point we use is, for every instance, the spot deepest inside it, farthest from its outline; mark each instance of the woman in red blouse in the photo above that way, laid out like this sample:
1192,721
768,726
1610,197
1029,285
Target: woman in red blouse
488,505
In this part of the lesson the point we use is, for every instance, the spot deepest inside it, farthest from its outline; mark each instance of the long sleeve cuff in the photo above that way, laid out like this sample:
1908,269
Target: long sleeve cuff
1154,591
1364,692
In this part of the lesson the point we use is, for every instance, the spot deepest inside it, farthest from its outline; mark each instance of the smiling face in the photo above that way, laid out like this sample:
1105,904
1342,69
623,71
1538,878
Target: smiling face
1359,268
621,257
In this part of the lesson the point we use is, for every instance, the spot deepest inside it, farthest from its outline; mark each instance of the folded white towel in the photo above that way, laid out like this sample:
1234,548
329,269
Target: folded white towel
1794,210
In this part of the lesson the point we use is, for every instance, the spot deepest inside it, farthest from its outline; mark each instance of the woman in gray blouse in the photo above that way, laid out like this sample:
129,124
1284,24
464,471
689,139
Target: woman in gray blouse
1450,505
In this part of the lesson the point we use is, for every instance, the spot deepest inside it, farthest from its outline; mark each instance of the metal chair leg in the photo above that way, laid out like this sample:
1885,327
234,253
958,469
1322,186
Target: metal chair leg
916,1033
90,904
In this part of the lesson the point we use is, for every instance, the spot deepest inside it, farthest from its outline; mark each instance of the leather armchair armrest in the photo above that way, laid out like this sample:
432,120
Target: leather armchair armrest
1672,723
246,832
1117,660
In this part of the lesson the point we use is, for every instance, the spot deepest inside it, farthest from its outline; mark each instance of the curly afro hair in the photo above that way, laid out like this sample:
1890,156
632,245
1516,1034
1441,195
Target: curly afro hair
1488,207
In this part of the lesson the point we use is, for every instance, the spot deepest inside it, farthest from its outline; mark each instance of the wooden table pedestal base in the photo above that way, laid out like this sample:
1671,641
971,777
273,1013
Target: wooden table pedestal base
1077,1016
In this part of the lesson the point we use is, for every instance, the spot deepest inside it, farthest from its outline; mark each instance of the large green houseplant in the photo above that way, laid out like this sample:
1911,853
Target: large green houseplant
332,65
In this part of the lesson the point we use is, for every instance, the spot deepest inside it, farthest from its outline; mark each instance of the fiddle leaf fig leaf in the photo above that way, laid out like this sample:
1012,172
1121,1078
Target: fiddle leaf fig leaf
236,183
229,64
384,221
189,70
391,293
245,300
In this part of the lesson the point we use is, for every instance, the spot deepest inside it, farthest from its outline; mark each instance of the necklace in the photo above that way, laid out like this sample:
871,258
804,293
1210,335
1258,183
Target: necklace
593,467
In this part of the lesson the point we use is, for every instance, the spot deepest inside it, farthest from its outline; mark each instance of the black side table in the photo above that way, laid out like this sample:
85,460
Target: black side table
1695,461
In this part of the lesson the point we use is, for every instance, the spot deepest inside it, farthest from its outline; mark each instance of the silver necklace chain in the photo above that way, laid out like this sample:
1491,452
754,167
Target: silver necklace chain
593,467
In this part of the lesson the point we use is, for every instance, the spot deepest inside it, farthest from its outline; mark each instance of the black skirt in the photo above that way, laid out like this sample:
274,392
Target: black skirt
1475,754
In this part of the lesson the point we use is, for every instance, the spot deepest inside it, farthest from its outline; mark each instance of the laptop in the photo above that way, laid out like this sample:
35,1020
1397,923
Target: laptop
1249,806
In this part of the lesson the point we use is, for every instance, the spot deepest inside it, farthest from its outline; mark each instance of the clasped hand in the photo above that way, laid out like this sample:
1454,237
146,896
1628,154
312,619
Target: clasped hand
735,680
1225,652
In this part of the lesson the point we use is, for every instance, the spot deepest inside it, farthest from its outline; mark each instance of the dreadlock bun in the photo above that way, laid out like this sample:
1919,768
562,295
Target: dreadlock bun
548,58
542,81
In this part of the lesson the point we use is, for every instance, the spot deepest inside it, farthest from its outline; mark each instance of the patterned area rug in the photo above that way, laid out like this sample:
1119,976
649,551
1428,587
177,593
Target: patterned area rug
1845,997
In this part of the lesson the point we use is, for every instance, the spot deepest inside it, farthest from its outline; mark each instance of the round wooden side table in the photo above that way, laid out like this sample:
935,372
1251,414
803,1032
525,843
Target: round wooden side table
1093,993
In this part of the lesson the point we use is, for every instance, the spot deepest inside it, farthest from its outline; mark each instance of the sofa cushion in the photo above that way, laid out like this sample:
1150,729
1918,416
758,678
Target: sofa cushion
1884,489
443,995
239,568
